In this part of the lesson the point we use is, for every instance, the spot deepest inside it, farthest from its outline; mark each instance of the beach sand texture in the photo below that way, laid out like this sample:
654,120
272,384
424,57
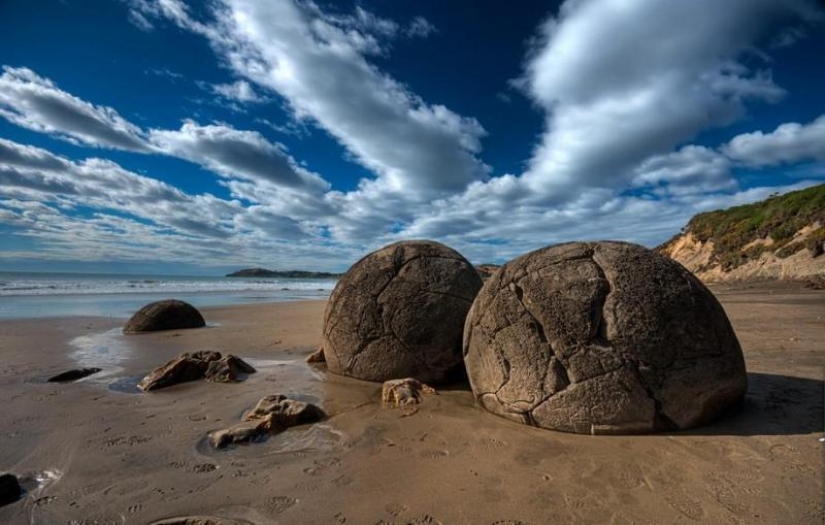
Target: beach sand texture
97,451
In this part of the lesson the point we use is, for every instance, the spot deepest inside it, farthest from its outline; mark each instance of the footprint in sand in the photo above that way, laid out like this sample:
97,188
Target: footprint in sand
686,505
395,509
322,465
434,454
493,443
424,520
203,468
279,504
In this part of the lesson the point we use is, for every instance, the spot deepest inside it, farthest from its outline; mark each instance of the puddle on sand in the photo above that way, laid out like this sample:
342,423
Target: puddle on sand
126,384
108,351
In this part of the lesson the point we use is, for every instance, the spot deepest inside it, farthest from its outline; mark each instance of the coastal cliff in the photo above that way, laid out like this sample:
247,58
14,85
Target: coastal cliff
782,237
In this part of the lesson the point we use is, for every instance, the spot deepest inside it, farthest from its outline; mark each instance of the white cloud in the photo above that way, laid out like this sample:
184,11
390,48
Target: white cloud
34,102
420,27
788,143
621,81
238,91
317,63
236,154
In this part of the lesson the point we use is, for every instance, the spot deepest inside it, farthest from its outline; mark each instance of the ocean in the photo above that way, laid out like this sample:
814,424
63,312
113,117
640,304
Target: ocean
29,295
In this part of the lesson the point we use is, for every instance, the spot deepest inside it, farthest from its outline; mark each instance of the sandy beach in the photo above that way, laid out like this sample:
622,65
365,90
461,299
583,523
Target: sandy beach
98,452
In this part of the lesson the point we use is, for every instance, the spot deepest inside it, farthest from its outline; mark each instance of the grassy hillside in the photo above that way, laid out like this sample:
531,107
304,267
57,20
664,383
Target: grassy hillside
779,217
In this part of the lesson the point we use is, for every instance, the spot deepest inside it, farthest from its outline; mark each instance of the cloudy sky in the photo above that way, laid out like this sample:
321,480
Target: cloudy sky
194,137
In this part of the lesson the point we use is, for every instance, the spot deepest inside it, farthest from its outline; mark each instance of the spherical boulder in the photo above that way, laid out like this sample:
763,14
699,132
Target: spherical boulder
399,312
169,314
602,338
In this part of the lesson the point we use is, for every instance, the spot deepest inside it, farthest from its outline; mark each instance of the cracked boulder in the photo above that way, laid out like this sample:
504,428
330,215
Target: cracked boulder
399,312
168,314
602,338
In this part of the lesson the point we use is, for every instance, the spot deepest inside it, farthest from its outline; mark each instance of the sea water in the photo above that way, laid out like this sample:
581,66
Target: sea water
28,295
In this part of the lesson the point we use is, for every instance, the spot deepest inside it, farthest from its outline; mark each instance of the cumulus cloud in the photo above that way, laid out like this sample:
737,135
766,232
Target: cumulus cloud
236,154
48,197
622,81
34,102
37,103
318,63
788,143
622,85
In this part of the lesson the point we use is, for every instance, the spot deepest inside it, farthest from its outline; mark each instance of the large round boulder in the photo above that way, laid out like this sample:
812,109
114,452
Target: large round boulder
602,338
169,314
399,312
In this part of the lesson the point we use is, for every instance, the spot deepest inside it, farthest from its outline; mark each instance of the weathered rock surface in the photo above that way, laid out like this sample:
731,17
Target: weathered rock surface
272,414
73,375
169,314
399,312
228,369
196,365
10,490
403,392
603,337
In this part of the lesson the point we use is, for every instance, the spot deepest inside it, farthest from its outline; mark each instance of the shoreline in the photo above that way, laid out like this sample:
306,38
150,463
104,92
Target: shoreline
105,456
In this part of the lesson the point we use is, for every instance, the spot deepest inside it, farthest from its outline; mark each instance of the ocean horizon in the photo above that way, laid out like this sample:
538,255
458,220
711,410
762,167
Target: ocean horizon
25,295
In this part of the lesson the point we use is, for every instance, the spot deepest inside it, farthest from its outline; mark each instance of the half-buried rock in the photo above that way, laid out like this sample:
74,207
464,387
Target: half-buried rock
169,314
273,414
602,338
203,364
399,312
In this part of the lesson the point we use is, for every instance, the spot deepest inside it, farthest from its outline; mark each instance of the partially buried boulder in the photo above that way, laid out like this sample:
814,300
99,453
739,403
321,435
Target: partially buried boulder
602,338
228,369
399,312
169,314
272,414
10,490
404,392
202,364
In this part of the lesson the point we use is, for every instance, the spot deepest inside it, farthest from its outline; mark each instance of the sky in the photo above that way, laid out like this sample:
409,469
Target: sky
183,137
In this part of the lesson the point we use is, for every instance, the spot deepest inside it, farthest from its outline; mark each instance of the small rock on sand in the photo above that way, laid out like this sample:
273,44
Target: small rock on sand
228,369
9,489
402,392
272,414
73,375
317,356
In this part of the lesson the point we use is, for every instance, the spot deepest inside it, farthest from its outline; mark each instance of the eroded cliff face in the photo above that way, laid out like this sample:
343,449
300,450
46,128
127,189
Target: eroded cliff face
799,258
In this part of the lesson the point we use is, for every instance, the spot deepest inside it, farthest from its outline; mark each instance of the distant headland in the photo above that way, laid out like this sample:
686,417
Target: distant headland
288,274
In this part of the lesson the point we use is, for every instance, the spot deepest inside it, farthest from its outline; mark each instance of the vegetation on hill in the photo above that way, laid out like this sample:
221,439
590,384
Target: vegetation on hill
777,218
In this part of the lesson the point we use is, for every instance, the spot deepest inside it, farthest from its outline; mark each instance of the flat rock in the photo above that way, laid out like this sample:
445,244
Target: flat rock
403,392
186,367
399,312
283,412
603,338
228,369
244,432
272,414
169,314
73,375
10,490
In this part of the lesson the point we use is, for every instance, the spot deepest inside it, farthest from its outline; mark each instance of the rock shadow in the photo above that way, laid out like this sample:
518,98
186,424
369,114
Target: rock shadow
774,405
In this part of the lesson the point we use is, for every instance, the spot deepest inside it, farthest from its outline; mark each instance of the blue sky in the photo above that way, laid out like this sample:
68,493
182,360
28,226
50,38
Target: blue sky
196,137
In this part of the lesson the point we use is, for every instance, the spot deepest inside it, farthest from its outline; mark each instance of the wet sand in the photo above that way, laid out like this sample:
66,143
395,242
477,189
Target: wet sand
97,452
